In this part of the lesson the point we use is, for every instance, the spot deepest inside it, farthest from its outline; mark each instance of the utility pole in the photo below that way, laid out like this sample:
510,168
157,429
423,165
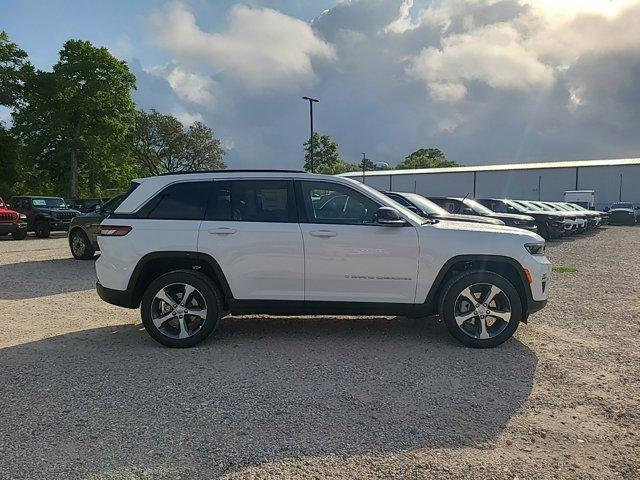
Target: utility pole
311,149
364,165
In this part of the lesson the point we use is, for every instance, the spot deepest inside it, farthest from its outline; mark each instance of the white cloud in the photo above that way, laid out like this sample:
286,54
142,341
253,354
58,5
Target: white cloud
188,119
189,86
263,48
492,54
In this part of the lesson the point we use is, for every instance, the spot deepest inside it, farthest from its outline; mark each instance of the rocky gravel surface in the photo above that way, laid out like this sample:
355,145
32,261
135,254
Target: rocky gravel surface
85,393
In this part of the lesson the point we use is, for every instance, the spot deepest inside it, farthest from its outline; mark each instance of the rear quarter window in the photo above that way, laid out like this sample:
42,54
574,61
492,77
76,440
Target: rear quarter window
180,201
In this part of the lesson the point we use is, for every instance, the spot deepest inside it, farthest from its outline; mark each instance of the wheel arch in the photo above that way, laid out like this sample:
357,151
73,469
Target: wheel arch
155,264
504,266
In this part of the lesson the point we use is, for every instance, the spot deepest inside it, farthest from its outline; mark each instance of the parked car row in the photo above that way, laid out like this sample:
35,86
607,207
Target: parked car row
548,219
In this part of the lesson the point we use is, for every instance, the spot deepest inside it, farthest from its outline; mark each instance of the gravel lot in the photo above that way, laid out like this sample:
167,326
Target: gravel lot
85,393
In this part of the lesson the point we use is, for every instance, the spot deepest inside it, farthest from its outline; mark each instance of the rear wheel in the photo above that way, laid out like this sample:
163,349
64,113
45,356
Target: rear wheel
42,229
481,309
181,309
81,247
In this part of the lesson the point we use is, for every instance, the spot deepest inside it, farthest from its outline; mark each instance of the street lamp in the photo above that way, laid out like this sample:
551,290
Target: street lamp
311,149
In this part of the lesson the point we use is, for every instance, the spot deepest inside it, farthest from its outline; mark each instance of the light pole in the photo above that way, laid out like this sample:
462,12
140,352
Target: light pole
364,165
311,149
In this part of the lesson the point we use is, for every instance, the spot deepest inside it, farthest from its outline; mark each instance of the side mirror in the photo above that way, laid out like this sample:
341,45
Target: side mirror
606,209
389,216
98,209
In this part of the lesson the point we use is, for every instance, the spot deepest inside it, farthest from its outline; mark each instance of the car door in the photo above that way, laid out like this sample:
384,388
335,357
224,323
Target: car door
251,229
348,256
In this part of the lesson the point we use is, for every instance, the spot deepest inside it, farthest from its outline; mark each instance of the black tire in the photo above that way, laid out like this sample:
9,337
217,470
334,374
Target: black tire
170,329
543,231
80,246
42,229
469,332
20,234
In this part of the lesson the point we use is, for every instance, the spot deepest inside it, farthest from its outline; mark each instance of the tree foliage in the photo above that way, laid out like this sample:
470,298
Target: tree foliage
14,70
161,144
427,158
326,158
75,119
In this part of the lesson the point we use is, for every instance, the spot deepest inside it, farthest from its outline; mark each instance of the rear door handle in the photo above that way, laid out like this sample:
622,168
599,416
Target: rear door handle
222,231
323,233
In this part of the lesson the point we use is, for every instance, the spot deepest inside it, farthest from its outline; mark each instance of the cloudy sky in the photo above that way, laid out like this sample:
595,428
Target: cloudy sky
487,81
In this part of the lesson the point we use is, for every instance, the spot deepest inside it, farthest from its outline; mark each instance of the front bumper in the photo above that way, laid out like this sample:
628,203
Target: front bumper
59,224
11,228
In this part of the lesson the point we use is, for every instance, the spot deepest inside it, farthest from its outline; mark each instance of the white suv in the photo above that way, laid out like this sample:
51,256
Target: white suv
190,248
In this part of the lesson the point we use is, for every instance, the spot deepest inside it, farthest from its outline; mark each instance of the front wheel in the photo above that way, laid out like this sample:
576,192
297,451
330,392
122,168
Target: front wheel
481,309
181,308
42,229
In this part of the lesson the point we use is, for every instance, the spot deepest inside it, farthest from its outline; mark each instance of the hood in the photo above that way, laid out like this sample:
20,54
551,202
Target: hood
514,216
620,209
467,218
51,211
487,228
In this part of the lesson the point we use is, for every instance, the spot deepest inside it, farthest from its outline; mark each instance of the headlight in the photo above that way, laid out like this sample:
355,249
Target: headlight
535,248
23,216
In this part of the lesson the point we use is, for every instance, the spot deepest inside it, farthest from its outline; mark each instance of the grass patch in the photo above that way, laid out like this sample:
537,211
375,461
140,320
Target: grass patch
562,269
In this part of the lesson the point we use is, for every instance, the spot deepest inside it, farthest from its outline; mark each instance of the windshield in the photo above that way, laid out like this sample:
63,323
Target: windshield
522,206
478,208
544,206
622,205
50,202
559,207
424,204
575,207
386,201
112,204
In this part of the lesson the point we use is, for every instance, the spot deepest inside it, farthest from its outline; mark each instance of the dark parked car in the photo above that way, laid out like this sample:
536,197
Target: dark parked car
466,206
623,213
44,214
427,209
12,223
83,230
604,216
85,205
550,224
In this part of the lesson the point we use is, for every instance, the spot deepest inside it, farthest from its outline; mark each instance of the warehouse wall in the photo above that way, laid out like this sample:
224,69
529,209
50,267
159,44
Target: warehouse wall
520,184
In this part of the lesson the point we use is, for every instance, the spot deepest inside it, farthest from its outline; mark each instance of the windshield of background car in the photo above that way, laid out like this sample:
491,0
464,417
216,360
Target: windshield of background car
545,207
425,204
391,203
478,208
622,205
521,206
49,202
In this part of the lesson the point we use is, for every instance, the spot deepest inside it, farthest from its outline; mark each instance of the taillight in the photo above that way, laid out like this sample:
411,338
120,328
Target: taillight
113,230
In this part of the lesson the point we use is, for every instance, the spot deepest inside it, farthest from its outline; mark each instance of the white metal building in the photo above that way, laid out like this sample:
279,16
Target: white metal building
612,180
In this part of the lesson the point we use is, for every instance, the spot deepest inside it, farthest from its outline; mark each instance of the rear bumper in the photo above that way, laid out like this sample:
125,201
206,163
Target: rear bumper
120,298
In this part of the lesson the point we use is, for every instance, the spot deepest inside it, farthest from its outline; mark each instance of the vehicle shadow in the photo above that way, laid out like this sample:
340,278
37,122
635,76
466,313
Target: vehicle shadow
259,390
45,277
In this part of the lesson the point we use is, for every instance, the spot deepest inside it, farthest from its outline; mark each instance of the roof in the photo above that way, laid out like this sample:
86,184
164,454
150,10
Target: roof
503,167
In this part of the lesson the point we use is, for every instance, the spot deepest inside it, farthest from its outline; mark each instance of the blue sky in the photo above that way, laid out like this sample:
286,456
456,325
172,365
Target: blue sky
487,81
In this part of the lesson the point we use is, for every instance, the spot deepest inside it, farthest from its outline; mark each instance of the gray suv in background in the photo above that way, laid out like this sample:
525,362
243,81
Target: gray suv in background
83,229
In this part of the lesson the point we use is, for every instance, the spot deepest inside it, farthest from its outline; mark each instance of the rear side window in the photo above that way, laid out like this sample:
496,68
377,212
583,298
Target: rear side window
180,201
269,201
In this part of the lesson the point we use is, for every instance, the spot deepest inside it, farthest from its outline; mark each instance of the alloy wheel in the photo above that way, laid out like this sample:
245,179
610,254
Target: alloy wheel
482,311
179,310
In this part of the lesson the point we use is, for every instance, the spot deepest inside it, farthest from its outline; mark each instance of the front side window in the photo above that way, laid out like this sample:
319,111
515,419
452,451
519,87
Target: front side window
332,203
180,201
269,201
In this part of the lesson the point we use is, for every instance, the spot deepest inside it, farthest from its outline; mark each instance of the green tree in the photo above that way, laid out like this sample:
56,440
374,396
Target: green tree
326,158
427,158
14,70
75,120
161,144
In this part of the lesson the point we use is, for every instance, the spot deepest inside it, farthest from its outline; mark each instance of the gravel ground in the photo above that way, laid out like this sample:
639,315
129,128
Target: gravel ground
85,393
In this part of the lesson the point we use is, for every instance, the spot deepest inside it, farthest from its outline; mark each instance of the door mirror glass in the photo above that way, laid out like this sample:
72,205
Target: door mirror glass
389,216
98,209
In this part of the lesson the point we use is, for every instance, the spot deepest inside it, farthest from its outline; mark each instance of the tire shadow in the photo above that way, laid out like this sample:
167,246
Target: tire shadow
261,389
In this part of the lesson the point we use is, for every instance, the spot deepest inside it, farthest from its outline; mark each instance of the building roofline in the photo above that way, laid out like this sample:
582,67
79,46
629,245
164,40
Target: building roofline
503,167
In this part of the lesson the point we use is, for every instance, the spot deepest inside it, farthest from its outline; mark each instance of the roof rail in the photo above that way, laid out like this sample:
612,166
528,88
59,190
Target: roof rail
247,170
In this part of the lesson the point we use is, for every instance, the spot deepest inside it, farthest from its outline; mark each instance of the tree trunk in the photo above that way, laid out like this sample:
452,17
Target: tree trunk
92,182
73,173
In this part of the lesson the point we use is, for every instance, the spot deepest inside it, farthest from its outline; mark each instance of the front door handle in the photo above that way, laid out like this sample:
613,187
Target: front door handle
323,233
222,231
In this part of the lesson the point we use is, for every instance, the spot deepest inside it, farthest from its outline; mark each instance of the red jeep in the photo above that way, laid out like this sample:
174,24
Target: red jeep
12,222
